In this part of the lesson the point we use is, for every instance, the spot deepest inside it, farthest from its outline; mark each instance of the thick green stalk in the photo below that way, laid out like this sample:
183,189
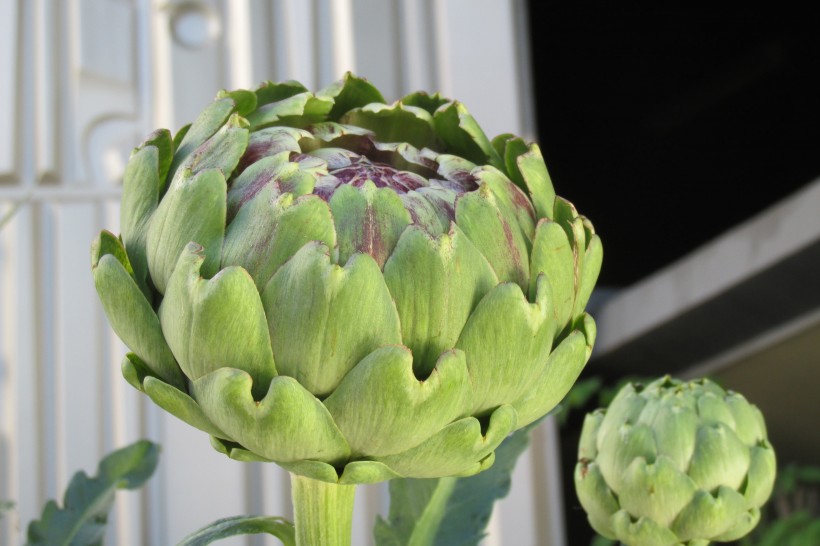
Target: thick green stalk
322,512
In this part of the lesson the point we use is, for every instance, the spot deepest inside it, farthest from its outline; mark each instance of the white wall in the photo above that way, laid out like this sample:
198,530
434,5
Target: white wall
81,82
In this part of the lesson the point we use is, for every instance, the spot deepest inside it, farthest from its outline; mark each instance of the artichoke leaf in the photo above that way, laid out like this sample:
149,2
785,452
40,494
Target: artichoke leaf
235,451
512,202
369,220
745,523
271,142
454,168
617,451
269,230
643,532
711,408
537,179
269,92
720,458
162,140
658,491
424,214
552,255
550,384
395,123
436,284
222,151
168,397
748,421
406,157
460,448
363,472
508,147
142,186
625,408
595,496
462,135
129,313
192,211
478,216
506,340
348,93
588,276
277,171
212,118
675,428
588,445
244,100
288,424
323,319
300,110
215,323
424,100
762,472
382,408
709,514
180,405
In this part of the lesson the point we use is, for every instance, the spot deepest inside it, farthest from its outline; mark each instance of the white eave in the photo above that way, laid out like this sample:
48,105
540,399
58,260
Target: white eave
757,278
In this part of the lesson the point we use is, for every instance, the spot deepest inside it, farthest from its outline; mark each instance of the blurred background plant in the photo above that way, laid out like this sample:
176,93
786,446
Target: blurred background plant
82,517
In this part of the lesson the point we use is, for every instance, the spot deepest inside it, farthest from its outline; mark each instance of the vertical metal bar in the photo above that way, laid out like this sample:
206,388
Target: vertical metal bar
45,90
418,49
333,34
549,499
9,53
238,35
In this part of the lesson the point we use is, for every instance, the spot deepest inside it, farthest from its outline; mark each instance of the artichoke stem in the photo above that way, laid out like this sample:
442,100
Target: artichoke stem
323,512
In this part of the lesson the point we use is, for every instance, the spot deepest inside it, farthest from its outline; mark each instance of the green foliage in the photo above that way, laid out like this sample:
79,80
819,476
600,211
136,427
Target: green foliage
449,511
242,525
798,529
82,519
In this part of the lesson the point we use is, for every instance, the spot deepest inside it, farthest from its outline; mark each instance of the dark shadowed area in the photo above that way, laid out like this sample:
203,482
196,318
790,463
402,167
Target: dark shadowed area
669,126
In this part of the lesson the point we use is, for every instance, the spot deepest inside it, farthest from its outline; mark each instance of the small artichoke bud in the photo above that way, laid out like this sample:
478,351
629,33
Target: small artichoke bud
673,464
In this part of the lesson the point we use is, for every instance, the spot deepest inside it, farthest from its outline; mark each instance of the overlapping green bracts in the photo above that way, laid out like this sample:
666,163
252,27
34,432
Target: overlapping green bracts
674,464
354,290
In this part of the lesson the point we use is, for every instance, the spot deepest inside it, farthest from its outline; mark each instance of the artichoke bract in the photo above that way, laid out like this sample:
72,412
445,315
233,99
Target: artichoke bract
674,463
352,289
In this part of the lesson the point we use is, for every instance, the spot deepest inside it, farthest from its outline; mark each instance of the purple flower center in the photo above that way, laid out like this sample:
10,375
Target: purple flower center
382,176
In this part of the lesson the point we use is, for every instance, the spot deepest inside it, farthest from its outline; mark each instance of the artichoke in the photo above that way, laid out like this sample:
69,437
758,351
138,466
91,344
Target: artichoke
354,290
674,463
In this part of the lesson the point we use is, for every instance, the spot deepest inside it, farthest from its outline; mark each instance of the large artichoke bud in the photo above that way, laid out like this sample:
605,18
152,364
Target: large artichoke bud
354,290
674,463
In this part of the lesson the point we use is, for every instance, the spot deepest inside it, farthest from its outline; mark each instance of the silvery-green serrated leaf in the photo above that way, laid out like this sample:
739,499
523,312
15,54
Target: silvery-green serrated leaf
242,525
82,518
416,510
449,511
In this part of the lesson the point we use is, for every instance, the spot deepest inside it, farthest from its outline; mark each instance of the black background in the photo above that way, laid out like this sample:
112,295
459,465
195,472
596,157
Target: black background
668,126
